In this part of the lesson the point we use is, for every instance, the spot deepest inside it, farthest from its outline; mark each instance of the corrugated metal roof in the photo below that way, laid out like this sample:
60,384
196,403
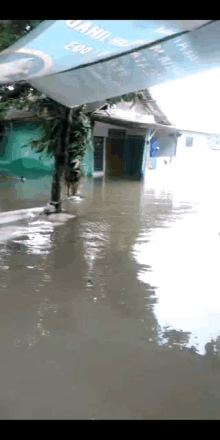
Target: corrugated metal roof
149,106
152,107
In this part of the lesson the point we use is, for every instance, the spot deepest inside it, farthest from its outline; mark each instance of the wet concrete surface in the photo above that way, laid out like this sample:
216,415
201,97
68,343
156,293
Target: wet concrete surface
110,310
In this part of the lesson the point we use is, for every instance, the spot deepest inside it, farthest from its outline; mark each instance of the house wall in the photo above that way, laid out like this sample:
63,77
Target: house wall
133,156
18,158
198,153
88,162
101,129
129,162
17,155
167,144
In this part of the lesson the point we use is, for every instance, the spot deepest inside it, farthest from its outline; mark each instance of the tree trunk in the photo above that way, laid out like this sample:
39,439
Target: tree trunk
61,159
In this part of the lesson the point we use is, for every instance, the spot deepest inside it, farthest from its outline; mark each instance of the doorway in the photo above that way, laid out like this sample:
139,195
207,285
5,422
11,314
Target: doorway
114,157
133,157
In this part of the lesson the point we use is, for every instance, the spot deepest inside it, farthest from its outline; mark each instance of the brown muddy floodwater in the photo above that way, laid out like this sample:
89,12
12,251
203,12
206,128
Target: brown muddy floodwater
114,313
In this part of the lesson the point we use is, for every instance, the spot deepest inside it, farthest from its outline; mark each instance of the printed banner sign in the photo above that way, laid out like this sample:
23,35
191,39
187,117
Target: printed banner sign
80,61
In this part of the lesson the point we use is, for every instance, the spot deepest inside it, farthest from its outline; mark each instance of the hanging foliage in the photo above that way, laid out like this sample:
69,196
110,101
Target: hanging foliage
12,30
63,138
80,133
80,136
51,114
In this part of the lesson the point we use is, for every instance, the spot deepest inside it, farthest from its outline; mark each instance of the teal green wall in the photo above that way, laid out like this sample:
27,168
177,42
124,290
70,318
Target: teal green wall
4,150
88,162
18,157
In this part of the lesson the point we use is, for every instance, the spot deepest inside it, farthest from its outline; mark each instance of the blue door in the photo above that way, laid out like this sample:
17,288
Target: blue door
153,152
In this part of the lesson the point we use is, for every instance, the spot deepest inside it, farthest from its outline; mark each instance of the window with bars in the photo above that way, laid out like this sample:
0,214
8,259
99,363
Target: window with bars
98,153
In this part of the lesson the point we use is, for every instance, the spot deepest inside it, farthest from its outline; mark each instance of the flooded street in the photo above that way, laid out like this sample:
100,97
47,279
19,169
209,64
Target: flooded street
15,194
111,310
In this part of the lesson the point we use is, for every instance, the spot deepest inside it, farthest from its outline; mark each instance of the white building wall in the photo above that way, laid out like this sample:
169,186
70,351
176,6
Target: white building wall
196,156
101,129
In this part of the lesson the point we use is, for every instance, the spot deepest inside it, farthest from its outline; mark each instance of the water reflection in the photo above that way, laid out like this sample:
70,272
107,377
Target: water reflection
96,244
178,252
28,340
35,238
163,232
25,277
110,298
17,195
140,250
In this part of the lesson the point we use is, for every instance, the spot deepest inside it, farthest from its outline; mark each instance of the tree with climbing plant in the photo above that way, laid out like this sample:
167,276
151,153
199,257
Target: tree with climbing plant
65,136
68,132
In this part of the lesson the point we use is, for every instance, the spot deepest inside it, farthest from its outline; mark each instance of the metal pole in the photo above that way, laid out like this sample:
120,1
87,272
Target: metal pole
151,134
104,157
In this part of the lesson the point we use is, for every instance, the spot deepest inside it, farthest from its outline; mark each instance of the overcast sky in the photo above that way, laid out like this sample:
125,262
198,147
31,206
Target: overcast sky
192,103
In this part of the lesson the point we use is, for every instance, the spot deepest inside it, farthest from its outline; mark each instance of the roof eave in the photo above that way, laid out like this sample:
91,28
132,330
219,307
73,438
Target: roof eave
145,126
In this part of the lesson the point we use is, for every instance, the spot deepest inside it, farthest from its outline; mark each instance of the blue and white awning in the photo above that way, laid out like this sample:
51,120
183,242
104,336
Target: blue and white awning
81,61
